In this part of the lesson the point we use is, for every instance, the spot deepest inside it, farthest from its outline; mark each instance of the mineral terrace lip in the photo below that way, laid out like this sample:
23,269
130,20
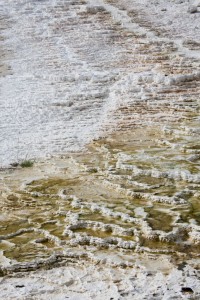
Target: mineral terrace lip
106,209
99,149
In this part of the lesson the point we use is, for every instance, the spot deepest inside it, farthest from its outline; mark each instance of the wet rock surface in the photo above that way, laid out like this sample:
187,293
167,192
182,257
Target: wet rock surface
119,220
130,201
92,66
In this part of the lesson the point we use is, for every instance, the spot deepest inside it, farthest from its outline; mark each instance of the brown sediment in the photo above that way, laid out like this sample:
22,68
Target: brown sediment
142,197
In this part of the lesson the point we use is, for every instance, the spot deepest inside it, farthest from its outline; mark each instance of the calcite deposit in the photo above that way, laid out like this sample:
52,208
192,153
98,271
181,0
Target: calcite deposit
129,202
103,96
92,66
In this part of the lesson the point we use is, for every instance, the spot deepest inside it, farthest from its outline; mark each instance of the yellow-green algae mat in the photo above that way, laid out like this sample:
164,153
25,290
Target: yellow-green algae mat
132,194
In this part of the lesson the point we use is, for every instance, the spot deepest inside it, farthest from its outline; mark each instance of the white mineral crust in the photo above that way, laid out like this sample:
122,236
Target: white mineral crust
72,71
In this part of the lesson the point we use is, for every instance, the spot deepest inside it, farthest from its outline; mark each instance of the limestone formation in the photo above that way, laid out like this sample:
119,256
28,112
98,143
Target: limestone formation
104,96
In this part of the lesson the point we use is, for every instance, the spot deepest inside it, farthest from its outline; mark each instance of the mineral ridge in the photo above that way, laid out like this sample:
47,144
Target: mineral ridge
104,96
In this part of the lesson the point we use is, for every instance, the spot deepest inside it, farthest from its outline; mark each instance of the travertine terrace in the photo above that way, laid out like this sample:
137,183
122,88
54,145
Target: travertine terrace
92,66
104,95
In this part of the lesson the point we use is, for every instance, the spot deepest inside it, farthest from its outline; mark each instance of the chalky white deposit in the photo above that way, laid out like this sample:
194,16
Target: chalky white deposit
119,220
76,69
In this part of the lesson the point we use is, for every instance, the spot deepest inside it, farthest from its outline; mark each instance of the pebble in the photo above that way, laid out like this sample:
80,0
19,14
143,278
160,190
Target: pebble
192,9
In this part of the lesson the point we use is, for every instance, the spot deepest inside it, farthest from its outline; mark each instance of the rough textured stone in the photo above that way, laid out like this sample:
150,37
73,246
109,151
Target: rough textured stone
192,9
120,219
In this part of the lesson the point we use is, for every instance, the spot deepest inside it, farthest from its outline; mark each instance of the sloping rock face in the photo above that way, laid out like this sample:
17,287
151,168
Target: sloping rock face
76,70
119,220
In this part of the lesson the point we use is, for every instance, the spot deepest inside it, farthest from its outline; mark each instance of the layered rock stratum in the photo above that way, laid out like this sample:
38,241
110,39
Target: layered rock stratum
104,95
